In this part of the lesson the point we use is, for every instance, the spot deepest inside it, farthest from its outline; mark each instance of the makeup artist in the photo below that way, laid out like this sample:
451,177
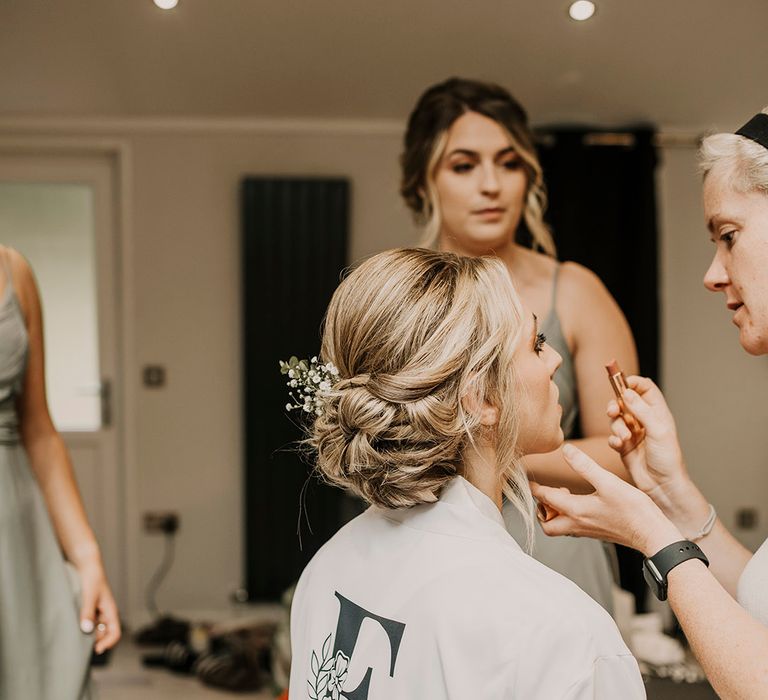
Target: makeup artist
722,606
471,177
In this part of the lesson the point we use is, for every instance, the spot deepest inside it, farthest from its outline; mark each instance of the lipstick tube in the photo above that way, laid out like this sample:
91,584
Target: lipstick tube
619,383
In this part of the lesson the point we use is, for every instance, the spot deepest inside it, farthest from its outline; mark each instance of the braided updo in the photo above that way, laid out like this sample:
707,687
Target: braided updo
411,332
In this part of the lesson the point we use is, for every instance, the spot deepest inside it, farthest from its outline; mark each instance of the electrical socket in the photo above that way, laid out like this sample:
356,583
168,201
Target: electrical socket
161,521
746,518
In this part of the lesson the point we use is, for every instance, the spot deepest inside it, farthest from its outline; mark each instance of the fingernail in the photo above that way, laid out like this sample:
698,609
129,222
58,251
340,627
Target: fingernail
569,450
629,394
86,626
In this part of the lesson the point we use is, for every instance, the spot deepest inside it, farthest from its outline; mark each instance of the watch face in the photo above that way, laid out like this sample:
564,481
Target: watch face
654,580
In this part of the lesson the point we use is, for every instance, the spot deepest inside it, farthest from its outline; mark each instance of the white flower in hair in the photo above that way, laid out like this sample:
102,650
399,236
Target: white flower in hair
311,381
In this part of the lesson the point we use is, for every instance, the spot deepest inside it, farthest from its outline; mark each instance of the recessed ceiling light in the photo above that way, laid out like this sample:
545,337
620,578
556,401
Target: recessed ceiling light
581,10
166,4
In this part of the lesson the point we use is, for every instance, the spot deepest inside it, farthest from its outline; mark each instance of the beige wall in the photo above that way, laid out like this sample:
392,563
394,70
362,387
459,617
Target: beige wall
184,240
185,247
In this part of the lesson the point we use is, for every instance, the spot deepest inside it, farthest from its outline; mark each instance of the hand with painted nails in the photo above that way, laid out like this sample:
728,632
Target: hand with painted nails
615,512
98,611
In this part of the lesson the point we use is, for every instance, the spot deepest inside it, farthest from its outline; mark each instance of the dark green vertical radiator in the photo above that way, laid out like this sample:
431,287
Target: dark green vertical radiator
294,242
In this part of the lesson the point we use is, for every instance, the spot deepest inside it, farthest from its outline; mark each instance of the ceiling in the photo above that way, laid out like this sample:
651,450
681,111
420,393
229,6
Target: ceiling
677,63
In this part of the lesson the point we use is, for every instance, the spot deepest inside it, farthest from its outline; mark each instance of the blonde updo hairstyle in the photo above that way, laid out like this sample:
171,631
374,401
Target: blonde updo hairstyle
412,331
426,137
746,161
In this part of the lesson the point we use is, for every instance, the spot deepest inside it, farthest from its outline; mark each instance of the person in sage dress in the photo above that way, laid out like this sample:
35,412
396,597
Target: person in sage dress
56,605
471,177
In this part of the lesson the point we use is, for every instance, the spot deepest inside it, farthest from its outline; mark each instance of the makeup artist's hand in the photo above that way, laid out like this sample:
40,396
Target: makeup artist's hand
616,511
657,464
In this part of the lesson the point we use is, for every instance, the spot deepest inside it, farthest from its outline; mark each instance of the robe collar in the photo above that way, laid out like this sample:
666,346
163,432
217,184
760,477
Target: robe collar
461,511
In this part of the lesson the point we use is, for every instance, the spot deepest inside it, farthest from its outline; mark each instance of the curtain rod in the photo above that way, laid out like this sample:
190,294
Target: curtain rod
226,125
678,139
662,139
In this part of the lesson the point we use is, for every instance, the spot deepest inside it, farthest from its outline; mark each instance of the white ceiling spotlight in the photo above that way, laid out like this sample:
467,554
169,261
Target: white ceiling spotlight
581,10
166,4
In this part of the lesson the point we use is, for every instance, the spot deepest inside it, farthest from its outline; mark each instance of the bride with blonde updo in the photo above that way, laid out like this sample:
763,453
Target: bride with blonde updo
444,384
394,430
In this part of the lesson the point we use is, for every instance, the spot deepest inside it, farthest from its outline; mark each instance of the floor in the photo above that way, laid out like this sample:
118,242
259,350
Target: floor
663,689
125,679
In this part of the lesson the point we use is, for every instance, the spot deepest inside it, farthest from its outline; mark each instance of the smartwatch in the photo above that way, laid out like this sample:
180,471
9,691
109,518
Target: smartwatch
657,567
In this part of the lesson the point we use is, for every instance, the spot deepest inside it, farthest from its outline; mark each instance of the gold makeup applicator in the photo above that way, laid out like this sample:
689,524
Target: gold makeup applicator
619,383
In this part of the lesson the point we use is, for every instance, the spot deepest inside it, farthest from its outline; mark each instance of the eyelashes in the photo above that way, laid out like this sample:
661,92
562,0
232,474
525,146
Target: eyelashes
461,168
727,238
538,344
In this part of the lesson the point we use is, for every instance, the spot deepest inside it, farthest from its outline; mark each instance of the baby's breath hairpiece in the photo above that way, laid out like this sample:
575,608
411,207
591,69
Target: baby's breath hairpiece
309,381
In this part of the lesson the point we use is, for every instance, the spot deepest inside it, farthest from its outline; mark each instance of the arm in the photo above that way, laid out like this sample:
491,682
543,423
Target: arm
688,509
597,331
50,462
731,646
658,468
552,468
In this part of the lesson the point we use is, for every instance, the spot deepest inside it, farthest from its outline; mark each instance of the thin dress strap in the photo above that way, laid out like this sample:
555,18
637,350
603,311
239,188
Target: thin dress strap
554,289
8,271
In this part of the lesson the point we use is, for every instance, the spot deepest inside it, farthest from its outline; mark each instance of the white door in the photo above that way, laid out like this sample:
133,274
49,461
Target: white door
59,211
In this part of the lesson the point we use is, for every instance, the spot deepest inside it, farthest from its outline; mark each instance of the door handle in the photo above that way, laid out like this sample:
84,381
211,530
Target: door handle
105,396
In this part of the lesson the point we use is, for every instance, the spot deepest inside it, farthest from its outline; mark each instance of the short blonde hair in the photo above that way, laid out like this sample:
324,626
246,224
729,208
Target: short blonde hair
746,161
412,331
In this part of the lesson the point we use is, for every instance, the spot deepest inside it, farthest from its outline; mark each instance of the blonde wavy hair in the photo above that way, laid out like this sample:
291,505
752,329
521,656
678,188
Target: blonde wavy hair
424,146
412,331
745,160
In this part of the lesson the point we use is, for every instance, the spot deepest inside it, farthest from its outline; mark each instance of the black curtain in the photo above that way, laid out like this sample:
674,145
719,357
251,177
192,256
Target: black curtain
294,241
602,210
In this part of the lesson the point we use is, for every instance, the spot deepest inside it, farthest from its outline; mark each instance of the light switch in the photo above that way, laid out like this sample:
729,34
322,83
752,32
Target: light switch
154,376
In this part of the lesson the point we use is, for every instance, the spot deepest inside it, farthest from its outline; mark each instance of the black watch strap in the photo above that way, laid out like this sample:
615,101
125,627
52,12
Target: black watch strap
660,564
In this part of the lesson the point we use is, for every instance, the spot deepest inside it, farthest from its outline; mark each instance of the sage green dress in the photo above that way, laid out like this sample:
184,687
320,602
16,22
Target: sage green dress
43,653
588,563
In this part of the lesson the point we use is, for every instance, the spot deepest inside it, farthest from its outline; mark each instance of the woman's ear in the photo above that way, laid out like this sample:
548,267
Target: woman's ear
426,207
488,415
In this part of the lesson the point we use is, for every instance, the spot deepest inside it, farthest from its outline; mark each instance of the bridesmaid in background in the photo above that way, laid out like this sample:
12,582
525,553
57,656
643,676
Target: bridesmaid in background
55,603
471,176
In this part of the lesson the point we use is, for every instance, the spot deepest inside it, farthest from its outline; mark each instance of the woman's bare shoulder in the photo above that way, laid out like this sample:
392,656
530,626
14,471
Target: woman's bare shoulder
23,278
576,279
18,262
539,268
582,301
